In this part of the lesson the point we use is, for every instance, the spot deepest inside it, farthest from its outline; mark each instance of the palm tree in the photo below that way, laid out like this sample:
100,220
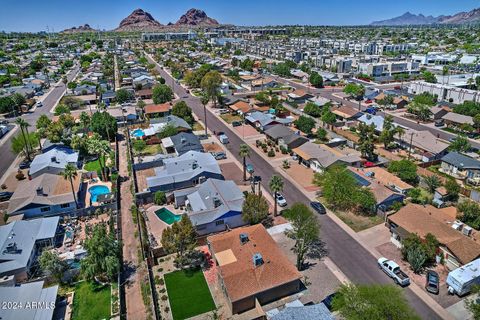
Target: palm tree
244,153
276,186
84,120
141,104
204,100
100,148
70,173
400,132
23,127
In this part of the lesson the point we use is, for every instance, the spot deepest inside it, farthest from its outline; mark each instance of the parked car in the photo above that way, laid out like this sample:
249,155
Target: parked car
318,207
223,111
439,123
236,123
392,269
219,155
433,282
24,165
371,110
281,201
39,104
5,195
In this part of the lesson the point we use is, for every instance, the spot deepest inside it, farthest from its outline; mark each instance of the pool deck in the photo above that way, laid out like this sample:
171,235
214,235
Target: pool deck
155,225
91,184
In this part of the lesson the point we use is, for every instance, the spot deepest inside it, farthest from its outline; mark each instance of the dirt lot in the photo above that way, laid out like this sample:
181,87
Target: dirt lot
142,178
302,175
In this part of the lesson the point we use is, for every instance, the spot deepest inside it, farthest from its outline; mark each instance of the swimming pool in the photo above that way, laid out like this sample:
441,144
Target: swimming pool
167,216
95,191
138,133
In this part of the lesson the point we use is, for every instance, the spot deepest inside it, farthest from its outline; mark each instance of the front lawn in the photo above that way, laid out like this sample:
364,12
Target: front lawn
197,127
188,293
229,118
358,222
91,301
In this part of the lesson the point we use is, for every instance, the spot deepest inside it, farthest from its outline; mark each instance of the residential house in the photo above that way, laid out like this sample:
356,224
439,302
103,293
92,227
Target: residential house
297,311
184,171
37,302
53,161
87,99
461,167
456,120
385,192
85,89
299,74
46,195
181,143
346,113
438,112
299,96
240,107
108,97
128,113
212,206
424,143
458,247
320,101
21,242
158,110
252,270
284,136
263,121
370,119
144,94
263,83
320,157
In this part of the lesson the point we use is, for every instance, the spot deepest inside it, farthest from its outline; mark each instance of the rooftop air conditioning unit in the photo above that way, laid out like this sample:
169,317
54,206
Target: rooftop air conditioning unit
467,230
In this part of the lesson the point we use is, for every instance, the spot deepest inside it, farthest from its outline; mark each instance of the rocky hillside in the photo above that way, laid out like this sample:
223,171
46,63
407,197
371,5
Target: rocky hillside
80,29
139,20
408,18
472,16
196,17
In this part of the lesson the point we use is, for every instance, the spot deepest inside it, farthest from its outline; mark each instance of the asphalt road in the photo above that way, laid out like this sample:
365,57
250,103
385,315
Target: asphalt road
7,156
354,261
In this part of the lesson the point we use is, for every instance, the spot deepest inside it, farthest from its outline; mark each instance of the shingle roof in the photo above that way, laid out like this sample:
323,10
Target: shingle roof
55,190
458,118
204,209
424,140
461,161
183,168
415,218
240,277
278,131
184,142
58,158
316,311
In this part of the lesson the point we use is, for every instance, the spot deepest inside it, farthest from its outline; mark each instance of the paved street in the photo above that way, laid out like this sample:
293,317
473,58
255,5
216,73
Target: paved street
353,260
48,103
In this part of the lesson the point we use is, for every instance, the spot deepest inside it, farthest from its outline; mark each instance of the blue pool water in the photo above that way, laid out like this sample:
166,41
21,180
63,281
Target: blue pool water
137,133
95,191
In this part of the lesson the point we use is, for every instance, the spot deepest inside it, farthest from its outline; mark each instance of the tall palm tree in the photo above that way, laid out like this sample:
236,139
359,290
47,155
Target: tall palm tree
100,148
23,127
204,100
70,173
276,186
85,120
400,132
244,152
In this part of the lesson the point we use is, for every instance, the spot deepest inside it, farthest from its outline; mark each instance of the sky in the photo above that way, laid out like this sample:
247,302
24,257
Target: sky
36,15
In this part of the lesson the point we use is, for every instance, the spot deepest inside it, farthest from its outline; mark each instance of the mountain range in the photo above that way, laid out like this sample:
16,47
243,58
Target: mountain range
140,20
79,29
408,18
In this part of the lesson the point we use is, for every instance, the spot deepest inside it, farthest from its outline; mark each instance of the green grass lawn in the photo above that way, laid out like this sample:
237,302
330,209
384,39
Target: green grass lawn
188,293
92,166
91,301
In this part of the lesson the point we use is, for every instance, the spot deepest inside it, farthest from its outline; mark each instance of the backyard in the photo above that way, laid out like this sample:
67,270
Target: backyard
91,301
94,166
188,293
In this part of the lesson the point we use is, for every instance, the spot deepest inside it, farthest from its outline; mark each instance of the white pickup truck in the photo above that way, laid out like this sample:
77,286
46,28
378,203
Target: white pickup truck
392,269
